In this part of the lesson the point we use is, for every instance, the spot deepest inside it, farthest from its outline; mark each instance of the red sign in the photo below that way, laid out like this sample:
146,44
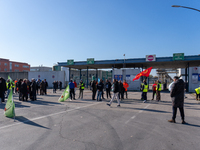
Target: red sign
150,57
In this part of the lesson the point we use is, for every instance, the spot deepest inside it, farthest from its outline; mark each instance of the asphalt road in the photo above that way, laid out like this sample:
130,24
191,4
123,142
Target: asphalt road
46,124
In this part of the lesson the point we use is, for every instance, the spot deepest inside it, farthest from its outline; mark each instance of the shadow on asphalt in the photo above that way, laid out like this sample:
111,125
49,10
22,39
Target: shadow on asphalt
193,125
28,122
150,110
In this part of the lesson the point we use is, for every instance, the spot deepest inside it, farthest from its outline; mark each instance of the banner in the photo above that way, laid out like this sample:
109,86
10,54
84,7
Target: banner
65,95
9,110
143,73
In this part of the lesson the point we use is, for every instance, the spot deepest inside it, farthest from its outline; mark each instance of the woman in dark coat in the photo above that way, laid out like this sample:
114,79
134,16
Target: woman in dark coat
177,95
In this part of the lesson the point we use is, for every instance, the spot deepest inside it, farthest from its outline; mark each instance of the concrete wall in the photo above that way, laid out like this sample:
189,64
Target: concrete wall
129,75
50,76
14,75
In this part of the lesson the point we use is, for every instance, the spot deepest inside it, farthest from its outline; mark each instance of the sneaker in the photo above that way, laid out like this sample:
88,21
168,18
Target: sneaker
172,121
108,104
183,122
118,105
144,101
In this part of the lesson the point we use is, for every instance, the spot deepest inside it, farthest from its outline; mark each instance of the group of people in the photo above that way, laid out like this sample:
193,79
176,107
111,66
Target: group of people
156,88
25,88
99,88
57,85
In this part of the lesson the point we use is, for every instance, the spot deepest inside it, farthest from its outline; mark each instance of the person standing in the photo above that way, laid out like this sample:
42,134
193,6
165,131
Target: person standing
33,89
99,90
115,93
197,90
19,86
144,91
60,85
42,88
38,85
2,89
108,88
81,88
154,89
9,87
24,90
158,89
45,86
75,86
177,95
94,89
121,89
71,88
54,86
125,84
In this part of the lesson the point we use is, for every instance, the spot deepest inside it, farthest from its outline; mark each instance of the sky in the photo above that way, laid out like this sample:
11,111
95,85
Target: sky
44,32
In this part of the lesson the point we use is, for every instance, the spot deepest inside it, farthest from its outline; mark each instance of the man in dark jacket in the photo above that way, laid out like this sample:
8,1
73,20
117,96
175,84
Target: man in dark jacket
99,90
33,86
94,89
108,87
121,90
45,86
115,93
177,95
2,89
24,90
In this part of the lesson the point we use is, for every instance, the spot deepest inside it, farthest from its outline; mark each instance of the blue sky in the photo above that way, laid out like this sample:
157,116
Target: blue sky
50,31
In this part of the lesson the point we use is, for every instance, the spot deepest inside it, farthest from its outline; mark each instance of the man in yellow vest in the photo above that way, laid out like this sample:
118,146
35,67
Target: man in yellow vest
144,91
197,90
81,88
158,89
9,86
141,85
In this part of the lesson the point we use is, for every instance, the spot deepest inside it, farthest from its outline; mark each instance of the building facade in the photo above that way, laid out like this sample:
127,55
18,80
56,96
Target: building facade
11,66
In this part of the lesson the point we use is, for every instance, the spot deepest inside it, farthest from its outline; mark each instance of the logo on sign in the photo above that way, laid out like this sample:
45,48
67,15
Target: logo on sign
38,76
150,57
53,76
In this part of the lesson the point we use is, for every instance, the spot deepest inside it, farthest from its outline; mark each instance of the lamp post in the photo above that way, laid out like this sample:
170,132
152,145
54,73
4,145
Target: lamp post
185,7
124,61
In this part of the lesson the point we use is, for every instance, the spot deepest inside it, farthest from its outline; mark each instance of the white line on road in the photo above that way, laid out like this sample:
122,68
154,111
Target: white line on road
47,116
137,114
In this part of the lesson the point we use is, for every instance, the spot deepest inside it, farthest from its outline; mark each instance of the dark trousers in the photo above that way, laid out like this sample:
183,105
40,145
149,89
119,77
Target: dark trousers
158,95
54,90
197,96
102,93
24,95
121,95
154,92
34,95
175,111
80,93
94,94
108,93
125,92
45,91
72,94
2,96
144,95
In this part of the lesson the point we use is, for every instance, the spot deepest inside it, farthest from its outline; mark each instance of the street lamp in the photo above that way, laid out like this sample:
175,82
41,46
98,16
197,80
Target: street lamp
124,61
185,7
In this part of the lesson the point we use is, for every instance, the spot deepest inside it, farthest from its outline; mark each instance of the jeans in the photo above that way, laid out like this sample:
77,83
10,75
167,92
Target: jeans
115,95
8,92
175,111
99,95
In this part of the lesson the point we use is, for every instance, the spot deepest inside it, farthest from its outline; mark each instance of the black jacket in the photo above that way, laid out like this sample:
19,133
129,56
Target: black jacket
100,86
108,85
177,93
116,87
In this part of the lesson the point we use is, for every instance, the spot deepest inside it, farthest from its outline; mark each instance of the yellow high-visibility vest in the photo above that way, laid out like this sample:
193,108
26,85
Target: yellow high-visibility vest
145,88
159,87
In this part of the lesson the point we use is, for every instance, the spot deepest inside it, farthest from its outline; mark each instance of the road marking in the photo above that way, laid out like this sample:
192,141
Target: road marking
37,118
137,114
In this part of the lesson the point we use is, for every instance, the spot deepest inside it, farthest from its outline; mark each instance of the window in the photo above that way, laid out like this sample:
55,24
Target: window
16,65
25,66
5,69
0,63
16,70
5,64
